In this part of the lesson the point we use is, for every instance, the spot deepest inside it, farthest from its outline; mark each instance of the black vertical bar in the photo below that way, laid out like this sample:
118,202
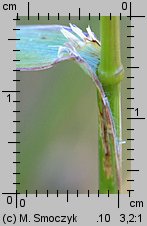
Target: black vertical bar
79,14
98,194
67,195
130,10
16,198
118,199
110,16
99,16
28,10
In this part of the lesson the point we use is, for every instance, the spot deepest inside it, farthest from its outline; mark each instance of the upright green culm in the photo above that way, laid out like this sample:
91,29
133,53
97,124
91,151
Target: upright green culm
110,73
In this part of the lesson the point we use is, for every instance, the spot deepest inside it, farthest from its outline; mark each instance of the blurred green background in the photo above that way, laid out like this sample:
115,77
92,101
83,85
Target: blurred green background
59,148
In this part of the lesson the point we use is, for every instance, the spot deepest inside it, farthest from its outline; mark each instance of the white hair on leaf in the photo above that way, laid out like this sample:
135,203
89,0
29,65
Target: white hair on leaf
69,35
79,39
91,35
62,51
78,31
72,38
67,50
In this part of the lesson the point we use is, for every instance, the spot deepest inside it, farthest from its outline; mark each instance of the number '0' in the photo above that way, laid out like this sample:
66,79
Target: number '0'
124,5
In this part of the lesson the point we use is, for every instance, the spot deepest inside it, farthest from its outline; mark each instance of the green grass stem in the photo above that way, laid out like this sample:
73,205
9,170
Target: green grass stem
110,73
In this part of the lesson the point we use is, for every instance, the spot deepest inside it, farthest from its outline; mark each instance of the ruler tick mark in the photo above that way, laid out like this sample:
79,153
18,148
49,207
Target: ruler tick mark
130,192
98,193
130,16
28,10
13,39
133,67
110,16
13,142
79,13
17,18
135,118
67,196
118,203
10,91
